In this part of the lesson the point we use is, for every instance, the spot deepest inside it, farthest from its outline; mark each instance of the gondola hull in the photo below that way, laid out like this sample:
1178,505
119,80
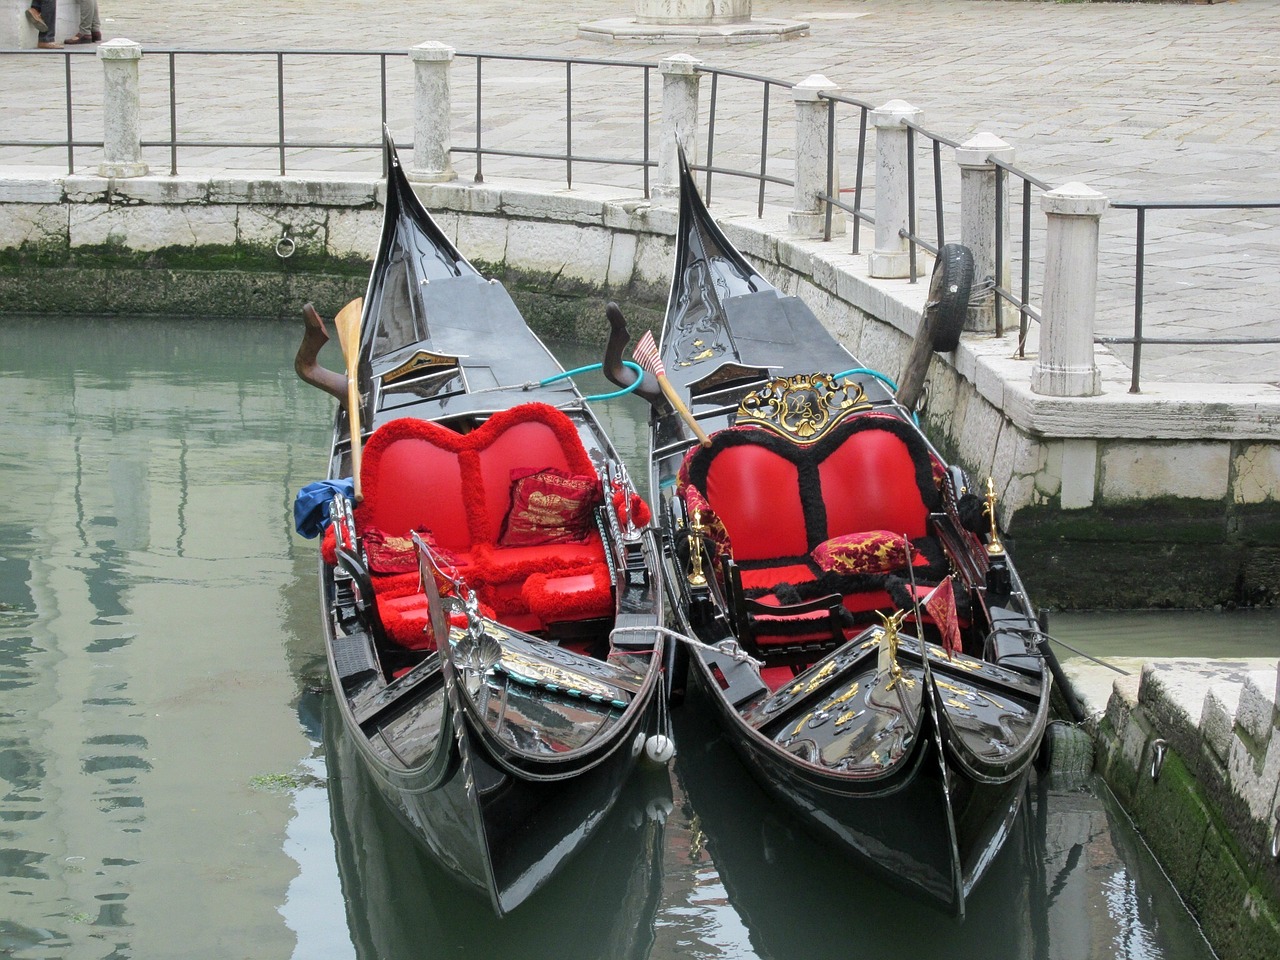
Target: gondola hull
818,547
501,720
379,860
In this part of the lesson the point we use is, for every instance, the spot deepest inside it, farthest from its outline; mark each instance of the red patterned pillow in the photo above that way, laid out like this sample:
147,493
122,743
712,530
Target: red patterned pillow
874,551
549,506
391,554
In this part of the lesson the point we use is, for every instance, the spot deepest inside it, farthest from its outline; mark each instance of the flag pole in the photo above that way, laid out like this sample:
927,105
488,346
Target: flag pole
646,354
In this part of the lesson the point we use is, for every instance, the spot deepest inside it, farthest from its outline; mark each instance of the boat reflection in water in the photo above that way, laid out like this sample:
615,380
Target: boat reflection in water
1073,880
401,904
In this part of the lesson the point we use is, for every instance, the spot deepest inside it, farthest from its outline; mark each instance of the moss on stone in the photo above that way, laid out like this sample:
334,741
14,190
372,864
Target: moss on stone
1257,930
1172,819
1159,520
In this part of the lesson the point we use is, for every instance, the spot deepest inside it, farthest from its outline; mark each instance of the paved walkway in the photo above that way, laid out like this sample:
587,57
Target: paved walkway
1138,100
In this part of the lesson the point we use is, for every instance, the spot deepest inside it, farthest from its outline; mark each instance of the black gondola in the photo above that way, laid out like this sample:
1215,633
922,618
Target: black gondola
489,508
863,634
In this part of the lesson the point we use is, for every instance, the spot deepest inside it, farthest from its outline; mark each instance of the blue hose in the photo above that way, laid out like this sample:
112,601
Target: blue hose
596,366
915,418
871,373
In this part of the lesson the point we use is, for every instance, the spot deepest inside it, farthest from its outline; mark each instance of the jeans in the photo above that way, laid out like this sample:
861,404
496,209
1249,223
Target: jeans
49,14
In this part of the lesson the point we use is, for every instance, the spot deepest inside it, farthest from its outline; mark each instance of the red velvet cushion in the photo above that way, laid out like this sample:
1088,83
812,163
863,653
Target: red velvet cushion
875,551
392,554
766,578
549,506
869,483
577,594
756,495
421,474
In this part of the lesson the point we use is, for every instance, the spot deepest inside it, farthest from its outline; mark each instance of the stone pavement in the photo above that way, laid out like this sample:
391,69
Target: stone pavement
1138,100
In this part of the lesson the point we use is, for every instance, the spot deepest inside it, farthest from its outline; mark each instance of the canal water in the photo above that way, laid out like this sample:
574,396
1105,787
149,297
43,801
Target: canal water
172,778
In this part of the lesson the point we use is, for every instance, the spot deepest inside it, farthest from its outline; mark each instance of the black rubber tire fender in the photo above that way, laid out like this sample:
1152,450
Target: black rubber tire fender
949,289
1066,751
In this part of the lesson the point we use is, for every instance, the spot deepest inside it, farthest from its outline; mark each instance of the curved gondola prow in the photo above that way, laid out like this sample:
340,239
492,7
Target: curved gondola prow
408,202
412,251
700,237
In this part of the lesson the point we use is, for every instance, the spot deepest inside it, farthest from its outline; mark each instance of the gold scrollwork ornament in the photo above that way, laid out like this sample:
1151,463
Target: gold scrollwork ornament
802,407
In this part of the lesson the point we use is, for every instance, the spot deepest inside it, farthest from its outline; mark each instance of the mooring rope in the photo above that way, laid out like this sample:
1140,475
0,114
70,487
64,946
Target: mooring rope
727,647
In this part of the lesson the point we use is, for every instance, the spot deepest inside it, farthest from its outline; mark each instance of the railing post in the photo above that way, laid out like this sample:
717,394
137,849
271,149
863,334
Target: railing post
807,218
1066,366
978,212
680,81
432,138
121,110
891,257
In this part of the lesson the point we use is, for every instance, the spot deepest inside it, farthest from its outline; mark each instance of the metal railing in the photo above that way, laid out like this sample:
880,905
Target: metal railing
1139,339
479,150
570,143
1021,301
761,176
831,197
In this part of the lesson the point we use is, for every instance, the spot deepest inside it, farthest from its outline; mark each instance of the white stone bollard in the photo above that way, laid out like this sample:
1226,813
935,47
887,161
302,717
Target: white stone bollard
891,257
978,213
68,24
808,215
680,81
1066,365
15,30
432,133
121,110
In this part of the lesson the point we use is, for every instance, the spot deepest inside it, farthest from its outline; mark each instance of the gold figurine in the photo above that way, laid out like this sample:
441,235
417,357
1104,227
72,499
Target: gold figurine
889,646
696,577
994,546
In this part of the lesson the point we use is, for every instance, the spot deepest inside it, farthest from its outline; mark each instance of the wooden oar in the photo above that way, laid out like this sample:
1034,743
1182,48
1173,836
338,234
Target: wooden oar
348,323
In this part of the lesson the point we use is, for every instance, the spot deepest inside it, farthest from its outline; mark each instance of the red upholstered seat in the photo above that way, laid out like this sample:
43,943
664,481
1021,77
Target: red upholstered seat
778,499
766,578
869,482
420,475
756,494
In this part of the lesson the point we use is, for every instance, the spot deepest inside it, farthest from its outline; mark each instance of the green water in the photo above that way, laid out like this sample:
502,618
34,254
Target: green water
172,783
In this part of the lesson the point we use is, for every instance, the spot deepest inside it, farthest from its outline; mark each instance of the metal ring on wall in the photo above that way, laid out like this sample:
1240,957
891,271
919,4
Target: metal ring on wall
285,247
1158,749
1275,838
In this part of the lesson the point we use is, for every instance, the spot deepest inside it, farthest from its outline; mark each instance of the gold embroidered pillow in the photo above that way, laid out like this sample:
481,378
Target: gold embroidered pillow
549,506
874,551
392,554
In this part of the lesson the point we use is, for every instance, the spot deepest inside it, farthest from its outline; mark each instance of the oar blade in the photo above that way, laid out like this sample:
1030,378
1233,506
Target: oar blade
347,323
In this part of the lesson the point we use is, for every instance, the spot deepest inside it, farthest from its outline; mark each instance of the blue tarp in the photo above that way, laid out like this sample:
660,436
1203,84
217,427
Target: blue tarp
311,506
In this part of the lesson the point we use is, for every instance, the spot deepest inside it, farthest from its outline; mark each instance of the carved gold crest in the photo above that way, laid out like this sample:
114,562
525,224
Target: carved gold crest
803,407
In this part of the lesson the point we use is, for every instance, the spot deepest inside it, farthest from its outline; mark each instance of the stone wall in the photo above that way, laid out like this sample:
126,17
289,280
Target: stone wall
1165,498
1191,748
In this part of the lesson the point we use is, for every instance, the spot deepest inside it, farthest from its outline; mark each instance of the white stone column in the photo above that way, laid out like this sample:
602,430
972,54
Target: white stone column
891,257
680,81
978,219
808,214
121,110
692,11
432,126
15,30
1066,366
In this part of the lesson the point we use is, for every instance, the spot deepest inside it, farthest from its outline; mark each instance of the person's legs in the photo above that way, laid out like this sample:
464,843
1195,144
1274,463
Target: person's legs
49,14
90,26
88,13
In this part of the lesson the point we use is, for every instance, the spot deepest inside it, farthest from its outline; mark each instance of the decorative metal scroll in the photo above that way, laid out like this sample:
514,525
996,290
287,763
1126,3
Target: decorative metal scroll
422,363
804,407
